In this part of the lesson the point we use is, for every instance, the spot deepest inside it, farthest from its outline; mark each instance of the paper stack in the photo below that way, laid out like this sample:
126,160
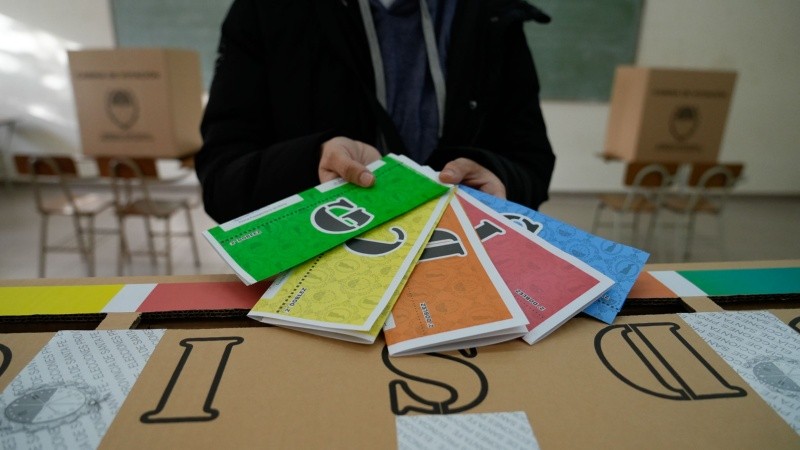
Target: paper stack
436,267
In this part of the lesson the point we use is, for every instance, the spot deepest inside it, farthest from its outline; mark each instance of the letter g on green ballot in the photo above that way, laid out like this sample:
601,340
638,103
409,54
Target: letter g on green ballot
284,234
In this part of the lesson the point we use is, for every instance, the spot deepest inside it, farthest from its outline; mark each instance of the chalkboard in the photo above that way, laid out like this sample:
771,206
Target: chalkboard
186,24
575,54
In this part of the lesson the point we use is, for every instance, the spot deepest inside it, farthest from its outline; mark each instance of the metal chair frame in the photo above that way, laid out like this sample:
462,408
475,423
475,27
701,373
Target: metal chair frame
130,180
706,192
82,209
646,184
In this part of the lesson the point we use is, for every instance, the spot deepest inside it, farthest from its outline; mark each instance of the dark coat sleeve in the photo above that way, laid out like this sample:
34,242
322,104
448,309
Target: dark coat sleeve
242,165
511,137
255,152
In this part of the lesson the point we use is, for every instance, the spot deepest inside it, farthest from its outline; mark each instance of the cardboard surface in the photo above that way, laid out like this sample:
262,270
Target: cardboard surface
137,102
16,351
275,388
668,115
654,381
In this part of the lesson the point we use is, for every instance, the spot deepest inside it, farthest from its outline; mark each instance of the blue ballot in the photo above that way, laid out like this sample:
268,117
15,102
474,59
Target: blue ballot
619,262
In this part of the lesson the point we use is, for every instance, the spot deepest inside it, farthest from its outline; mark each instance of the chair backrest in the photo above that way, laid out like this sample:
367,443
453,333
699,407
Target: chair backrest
648,181
712,183
129,177
127,167
63,168
650,174
715,175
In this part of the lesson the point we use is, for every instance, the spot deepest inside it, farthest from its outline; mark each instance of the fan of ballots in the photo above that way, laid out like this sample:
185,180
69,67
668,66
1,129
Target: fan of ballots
433,266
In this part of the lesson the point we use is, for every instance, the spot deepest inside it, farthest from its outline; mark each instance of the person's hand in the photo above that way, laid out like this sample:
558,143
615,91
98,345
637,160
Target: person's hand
468,172
346,158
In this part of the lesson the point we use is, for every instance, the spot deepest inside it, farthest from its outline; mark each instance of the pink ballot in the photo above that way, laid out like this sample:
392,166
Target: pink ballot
550,285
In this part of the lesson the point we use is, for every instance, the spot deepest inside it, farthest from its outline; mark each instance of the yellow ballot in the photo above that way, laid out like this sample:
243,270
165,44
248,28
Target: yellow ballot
348,291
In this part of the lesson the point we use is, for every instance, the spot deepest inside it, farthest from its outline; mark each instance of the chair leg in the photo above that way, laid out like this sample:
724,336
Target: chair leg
76,224
687,249
723,250
618,226
598,211
85,236
43,244
675,243
90,248
635,228
168,245
124,252
651,230
151,246
190,229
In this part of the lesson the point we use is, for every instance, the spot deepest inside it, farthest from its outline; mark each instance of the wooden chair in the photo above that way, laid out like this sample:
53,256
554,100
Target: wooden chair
131,181
81,209
645,185
706,192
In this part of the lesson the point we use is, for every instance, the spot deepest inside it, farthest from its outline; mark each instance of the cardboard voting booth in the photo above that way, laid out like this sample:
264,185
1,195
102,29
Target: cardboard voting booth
137,102
696,366
668,115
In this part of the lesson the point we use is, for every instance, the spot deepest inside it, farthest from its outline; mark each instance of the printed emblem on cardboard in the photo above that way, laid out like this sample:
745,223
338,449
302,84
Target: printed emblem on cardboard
684,122
68,395
645,356
51,405
432,392
122,108
204,358
778,373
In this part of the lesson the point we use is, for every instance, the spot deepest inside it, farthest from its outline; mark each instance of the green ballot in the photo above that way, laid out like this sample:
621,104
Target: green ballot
284,234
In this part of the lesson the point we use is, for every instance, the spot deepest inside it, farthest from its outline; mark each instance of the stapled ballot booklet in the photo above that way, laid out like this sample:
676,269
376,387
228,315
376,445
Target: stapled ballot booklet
347,292
550,285
284,234
619,262
454,298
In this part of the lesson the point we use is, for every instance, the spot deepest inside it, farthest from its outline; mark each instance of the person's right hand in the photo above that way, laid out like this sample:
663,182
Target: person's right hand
346,158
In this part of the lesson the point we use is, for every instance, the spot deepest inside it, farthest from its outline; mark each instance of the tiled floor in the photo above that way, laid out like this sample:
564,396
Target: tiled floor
757,228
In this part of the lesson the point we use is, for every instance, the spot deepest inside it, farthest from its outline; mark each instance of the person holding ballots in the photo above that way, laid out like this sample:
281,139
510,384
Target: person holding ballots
306,91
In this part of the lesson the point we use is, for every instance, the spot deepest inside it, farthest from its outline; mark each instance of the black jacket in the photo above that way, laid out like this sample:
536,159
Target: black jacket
293,73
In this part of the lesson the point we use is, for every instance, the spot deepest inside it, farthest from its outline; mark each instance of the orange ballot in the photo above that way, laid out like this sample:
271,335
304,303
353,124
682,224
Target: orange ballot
454,298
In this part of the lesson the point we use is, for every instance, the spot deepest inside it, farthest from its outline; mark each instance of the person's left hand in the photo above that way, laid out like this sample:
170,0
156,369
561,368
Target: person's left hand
468,172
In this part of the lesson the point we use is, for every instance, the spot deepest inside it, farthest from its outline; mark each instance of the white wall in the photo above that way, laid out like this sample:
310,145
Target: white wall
34,81
756,38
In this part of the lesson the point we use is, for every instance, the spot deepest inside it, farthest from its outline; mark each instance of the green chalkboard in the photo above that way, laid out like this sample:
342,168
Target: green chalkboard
186,24
575,54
